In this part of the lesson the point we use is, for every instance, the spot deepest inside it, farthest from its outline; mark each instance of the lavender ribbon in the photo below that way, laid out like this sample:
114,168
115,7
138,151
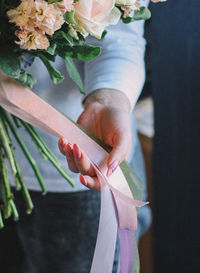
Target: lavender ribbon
127,253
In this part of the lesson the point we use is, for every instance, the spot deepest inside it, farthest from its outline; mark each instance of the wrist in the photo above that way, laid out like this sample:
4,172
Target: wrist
108,97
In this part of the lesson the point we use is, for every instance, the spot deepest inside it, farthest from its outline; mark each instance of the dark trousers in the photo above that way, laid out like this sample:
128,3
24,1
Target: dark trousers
58,237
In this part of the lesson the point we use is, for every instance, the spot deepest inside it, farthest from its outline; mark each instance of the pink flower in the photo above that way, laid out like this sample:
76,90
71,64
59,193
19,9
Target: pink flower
66,5
21,15
31,40
36,19
94,16
47,17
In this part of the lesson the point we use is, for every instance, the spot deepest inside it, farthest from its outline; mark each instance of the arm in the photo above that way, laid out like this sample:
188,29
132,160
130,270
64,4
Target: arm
120,65
113,82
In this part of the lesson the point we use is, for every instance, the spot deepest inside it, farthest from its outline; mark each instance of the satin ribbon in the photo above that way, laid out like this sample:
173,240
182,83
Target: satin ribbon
118,207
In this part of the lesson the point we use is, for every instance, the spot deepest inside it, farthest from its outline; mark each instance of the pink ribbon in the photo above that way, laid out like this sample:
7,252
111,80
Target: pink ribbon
118,207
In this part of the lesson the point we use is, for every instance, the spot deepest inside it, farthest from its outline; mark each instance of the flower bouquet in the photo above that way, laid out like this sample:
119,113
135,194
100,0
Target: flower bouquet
42,29
45,29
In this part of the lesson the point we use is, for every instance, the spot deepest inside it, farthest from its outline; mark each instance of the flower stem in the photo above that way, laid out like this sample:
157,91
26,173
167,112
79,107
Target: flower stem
16,121
25,150
5,188
14,210
6,145
1,220
20,185
52,158
25,192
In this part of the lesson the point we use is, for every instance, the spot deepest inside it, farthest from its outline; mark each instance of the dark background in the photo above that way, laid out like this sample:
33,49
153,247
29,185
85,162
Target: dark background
173,68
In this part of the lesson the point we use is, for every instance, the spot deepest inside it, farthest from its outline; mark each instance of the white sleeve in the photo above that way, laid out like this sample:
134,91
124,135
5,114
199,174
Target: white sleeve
120,65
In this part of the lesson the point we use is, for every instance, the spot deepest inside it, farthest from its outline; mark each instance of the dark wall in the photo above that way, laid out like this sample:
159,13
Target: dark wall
175,56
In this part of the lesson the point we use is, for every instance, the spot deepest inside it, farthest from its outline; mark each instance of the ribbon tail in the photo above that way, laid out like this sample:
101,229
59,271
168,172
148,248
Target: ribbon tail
127,253
107,234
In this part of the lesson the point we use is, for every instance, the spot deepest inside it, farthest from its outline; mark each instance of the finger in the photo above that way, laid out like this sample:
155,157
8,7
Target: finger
121,147
61,145
70,158
90,182
82,162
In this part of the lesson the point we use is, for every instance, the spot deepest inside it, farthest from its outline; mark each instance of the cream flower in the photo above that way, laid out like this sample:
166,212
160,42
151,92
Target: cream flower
21,15
31,39
93,16
47,17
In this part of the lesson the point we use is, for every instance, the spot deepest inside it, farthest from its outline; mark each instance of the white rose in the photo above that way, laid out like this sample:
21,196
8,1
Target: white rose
93,16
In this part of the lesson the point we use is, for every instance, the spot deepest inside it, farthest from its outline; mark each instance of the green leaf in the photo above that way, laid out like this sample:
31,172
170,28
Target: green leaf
135,184
136,268
26,79
53,1
63,38
51,49
142,14
73,72
9,62
69,17
53,72
103,34
83,52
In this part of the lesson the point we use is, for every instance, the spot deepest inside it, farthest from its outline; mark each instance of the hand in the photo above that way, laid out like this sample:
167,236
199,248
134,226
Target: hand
106,115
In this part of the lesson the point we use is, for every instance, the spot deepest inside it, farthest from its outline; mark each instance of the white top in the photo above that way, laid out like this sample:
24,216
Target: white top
120,66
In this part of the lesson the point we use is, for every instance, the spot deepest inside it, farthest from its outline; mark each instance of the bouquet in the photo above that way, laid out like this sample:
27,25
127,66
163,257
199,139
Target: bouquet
42,29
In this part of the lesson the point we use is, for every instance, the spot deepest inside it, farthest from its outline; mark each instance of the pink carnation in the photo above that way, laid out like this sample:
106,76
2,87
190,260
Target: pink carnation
31,39
48,17
35,19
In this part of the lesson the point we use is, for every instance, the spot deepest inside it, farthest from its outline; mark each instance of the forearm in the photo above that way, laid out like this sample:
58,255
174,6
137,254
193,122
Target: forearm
120,66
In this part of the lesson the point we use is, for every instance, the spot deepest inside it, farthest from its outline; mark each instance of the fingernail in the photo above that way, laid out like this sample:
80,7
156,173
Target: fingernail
61,142
77,151
113,166
83,180
69,149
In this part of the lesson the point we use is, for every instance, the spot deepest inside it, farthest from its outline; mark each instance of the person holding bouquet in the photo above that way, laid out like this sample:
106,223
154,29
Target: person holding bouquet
59,236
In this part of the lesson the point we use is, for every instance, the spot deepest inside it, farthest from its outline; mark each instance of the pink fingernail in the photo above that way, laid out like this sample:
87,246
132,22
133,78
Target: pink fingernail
113,166
83,180
68,149
77,151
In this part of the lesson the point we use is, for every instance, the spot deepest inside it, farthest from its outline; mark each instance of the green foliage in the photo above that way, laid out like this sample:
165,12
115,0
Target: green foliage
10,65
53,72
63,39
53,1
9,62
83,52
52,49
103,34
142,14
73,72
69,17
26,79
